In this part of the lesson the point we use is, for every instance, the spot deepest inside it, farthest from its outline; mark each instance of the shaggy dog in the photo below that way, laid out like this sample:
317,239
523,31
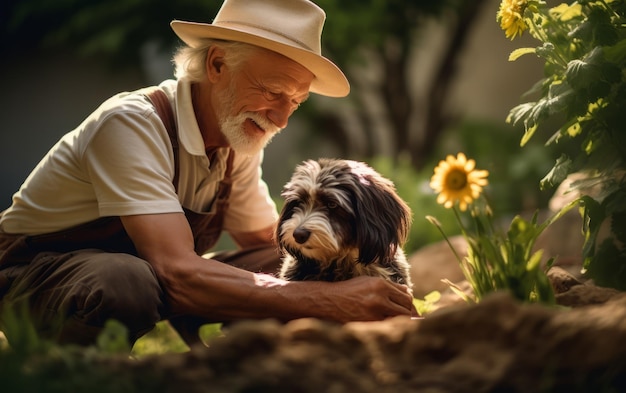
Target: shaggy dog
342,219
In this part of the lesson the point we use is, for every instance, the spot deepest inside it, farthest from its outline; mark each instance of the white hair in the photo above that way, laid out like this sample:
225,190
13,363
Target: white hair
190,63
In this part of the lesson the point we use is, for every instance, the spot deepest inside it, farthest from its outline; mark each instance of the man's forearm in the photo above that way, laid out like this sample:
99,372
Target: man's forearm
221,292
218,291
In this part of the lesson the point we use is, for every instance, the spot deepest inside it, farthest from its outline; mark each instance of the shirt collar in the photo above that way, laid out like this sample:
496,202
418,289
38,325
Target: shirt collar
188,131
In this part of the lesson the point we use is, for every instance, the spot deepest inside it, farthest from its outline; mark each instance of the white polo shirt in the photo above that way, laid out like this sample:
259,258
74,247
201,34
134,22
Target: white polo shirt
119,162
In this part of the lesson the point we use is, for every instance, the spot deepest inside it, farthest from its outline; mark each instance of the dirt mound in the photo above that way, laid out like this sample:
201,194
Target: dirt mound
497,345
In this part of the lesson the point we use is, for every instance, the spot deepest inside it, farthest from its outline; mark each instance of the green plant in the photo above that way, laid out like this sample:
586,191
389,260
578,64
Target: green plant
31,363
495,261
428,304
583,46
162,339
19,329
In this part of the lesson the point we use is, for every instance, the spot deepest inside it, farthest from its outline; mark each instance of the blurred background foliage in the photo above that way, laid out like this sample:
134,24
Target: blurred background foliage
401,130
371,33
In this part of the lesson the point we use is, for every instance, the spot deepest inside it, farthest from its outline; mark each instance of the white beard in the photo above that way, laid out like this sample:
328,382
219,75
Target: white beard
232,126
240,142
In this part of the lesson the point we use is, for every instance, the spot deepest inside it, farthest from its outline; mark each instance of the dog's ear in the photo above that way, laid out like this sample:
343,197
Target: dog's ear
285,214
383,219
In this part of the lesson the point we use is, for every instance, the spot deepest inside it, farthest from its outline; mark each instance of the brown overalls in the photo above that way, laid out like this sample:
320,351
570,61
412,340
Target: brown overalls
76,279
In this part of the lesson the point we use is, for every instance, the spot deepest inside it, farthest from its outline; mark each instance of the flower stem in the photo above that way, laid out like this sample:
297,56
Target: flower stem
436,223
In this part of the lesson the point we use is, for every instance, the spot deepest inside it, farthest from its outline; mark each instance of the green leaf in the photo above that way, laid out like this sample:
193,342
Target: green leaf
604,33
537,88
603,154
519,52
425,306
583,31
534,261
571,129
560,95
616,54
615,202
565,12
457,290
558,173
593,215
618,225
519,112
580,74
432,297
20,330
608,266
113,338
546,52
528,134
210,331
520,231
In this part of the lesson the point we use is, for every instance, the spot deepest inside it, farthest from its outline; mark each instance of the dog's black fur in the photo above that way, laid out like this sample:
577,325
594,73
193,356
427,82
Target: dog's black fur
342,219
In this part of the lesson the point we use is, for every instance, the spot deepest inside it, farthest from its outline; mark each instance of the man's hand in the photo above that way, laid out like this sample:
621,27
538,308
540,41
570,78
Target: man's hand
358,299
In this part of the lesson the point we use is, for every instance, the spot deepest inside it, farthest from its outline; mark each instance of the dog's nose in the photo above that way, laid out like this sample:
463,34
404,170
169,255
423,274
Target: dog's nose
301,235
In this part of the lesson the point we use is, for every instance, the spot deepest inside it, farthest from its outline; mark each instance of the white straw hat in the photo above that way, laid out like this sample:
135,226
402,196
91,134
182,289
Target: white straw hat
292,28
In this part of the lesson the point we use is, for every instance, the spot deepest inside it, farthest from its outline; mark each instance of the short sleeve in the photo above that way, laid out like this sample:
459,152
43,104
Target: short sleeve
130,163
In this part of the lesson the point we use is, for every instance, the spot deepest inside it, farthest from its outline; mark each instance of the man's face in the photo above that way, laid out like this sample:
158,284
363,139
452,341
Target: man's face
261,96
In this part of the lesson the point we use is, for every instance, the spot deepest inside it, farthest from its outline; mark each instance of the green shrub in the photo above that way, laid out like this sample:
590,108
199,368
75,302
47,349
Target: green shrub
583,47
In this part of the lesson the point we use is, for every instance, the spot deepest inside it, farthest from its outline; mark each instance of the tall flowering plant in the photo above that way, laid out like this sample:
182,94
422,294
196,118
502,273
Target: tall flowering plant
495,260
583,47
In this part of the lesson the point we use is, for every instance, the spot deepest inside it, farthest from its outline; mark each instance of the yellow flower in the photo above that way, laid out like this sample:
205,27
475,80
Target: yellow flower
456,179
510,17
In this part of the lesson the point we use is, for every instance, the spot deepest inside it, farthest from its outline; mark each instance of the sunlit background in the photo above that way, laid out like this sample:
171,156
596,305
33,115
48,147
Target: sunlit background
429,78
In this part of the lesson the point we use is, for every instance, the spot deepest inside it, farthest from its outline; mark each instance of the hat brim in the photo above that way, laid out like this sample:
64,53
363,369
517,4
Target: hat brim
329,79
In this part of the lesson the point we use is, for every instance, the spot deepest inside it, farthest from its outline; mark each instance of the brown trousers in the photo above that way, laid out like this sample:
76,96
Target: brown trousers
71,295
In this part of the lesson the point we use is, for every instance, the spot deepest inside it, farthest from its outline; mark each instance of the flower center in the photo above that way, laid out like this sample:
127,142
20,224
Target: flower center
456,179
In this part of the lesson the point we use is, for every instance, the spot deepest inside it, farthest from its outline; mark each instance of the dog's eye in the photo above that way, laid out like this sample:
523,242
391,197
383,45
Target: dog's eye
331,205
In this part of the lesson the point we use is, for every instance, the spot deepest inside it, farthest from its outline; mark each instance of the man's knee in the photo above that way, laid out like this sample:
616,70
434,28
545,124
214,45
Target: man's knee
78,292
122,287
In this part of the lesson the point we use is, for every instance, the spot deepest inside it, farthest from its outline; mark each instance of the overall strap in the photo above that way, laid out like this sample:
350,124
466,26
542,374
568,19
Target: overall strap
206,228
164,109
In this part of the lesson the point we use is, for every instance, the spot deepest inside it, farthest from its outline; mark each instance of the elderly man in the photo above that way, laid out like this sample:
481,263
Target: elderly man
115,220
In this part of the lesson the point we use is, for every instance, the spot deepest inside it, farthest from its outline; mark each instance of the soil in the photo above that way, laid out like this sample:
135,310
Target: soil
499,345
